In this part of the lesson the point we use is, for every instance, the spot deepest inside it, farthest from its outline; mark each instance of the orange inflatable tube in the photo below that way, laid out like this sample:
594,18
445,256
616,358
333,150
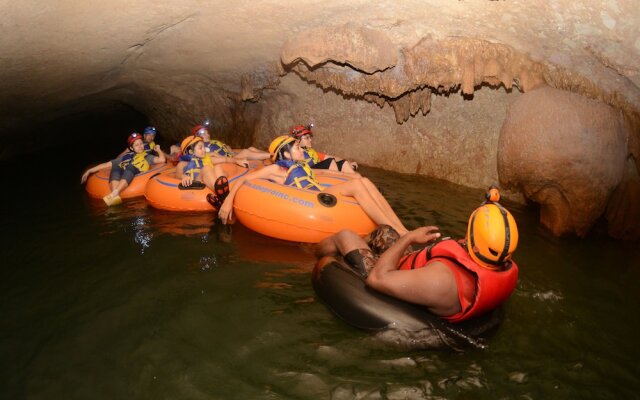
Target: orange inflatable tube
98,183
165,192
297,215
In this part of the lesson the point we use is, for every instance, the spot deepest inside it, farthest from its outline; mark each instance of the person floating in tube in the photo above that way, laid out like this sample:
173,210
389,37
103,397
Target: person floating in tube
216,148
148,138
455,280
124,168
315,159
200,168
290,169
218,151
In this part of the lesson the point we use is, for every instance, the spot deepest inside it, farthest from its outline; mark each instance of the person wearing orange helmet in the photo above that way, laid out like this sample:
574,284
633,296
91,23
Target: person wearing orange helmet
125,167
456,280
318,160
290,169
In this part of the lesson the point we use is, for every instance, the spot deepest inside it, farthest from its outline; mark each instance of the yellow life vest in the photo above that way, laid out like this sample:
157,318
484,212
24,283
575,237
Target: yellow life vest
138,160
301,176
311,156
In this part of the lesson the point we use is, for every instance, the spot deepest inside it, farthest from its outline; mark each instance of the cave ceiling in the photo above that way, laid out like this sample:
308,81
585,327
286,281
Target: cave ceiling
164,58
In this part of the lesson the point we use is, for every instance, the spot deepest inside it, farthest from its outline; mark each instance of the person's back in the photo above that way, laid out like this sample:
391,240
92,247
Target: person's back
477,288
456,280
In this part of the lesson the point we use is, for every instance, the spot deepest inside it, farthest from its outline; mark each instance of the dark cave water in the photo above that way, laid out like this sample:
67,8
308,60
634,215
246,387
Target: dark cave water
131,302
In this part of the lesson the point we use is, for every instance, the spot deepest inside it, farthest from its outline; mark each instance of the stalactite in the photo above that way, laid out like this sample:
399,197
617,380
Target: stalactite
442,66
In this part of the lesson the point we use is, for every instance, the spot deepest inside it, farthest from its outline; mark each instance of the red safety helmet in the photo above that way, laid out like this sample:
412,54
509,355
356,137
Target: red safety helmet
299,131
133,137
198,130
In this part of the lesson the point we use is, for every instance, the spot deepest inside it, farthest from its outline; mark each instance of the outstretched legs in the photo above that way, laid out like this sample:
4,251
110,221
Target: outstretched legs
371,201
252,154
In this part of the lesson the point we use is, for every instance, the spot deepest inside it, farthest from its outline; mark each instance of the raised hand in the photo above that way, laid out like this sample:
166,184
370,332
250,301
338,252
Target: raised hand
424,234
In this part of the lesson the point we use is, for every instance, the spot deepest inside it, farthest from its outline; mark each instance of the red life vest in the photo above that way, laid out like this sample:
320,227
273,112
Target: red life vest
493,287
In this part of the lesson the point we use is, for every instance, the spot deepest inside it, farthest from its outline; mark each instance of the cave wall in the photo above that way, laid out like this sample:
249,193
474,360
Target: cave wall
428,82
456,141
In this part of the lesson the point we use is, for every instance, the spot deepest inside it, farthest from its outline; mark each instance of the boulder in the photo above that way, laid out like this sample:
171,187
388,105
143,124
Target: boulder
565,152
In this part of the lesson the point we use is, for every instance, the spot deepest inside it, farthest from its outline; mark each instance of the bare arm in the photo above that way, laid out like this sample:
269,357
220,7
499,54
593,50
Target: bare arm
161,157
273,172
408,285
220,160
92,170
241,161
180,169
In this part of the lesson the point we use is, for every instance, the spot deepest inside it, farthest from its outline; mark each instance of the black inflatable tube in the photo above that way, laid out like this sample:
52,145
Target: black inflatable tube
345,293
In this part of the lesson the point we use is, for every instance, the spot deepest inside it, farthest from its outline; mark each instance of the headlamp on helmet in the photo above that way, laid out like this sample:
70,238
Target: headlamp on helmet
149,130
299,131
132,138
199,130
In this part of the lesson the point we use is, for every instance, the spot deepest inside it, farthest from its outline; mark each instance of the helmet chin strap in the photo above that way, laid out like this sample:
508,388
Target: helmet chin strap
507,233
507,238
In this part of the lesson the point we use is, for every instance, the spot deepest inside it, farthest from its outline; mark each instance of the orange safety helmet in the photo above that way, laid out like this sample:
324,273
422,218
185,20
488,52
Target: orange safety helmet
132,138
299,131
188,142
277,144
492,235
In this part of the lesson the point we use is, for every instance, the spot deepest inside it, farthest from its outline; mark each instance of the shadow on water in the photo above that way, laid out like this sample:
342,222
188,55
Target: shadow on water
132,302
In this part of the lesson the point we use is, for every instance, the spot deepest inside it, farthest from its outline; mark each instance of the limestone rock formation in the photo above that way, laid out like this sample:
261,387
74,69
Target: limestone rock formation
564,152
440,66
364,49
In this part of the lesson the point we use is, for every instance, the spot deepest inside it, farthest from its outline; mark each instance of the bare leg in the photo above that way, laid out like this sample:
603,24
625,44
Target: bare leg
210,174
120,186
260,154
113,198
252,154
347,168
353,249
356,188
382,202
341,243
333,166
